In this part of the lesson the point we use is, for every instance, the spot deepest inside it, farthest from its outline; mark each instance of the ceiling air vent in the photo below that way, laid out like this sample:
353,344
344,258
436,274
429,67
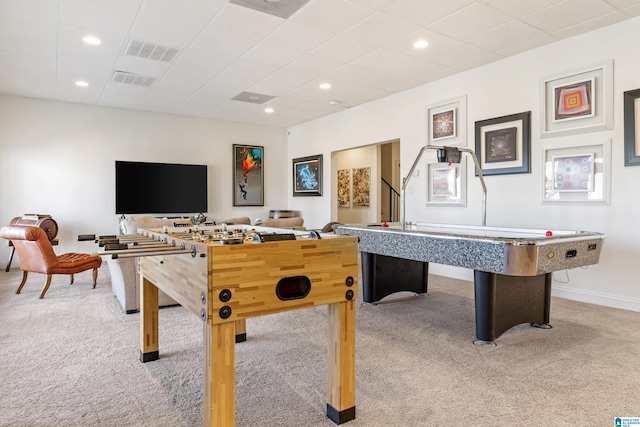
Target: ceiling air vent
147,50
132,79
281,8
255,98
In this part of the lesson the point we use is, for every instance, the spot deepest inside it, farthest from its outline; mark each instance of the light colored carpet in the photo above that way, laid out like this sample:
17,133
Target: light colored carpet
72,360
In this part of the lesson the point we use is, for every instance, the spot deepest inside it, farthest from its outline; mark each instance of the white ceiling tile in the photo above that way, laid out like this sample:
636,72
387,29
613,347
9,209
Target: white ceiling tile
271,55
518,8
297,37
351,73
231,81
173,23
343,49
382,60
313,65
583,27
457,54
72,48
528,45
566,14
331,15
436,41
36,8
270,88
369,30
289,78
208,49
510,34
373,4
384,81
96,15
123,95
424,12
29,75
251,70
28,35
632,10
468,22
196,107
418,69
161,100
622,4
358,92
244,22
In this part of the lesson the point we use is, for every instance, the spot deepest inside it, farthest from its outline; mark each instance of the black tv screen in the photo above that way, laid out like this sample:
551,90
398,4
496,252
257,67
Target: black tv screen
160,188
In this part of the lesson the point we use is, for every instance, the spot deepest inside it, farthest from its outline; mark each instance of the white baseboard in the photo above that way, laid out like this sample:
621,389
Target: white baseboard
559,291
597,298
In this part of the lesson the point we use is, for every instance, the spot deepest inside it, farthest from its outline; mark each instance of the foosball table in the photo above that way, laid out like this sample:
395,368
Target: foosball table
227,275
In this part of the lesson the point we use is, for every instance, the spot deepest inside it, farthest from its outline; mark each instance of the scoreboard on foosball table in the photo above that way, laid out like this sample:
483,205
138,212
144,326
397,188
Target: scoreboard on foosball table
227,275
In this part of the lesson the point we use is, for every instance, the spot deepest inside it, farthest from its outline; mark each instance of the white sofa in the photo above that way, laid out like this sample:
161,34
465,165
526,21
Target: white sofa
125,277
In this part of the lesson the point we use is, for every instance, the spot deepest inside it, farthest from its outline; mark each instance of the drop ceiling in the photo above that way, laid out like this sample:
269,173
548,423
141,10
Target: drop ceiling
229,60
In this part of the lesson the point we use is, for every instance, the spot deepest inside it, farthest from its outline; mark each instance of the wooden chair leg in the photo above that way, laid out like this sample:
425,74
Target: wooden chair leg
95,277
46,286
71,279
24,280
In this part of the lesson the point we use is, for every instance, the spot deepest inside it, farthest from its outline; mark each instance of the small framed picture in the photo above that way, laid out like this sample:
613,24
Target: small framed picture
573,172
446,122
248,175
307,176
579,101
443,124
577,172
446,184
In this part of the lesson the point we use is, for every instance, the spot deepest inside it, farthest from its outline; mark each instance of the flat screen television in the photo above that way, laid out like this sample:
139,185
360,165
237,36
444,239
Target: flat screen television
160,188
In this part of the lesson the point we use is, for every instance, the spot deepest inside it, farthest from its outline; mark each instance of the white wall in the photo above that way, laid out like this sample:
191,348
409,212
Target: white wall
507,87
58,159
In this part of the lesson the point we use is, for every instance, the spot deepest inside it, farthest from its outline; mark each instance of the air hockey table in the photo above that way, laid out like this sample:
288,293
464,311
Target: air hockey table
513,267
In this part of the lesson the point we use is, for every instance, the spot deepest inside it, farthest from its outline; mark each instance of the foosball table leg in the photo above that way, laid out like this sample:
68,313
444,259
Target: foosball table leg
341,405
219,375
149,349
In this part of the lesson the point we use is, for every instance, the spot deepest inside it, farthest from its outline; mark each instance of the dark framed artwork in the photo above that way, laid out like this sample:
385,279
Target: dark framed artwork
503,144
248,175
632,128
307,176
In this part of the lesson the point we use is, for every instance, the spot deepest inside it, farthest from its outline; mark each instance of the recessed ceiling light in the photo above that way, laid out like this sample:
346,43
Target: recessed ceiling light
268,110
91,40
420,44
82,83
272,1
325,86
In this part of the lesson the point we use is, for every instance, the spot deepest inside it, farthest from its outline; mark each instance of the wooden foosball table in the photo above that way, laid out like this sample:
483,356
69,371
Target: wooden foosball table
225,276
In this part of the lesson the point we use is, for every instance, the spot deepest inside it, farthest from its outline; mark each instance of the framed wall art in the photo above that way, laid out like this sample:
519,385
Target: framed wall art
248,175
577,172
578,102
361,178
503,144
307,176
632,128
344,188
446,122
446,184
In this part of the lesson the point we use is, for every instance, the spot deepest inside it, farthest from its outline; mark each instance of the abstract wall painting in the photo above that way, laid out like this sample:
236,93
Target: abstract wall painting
361,186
